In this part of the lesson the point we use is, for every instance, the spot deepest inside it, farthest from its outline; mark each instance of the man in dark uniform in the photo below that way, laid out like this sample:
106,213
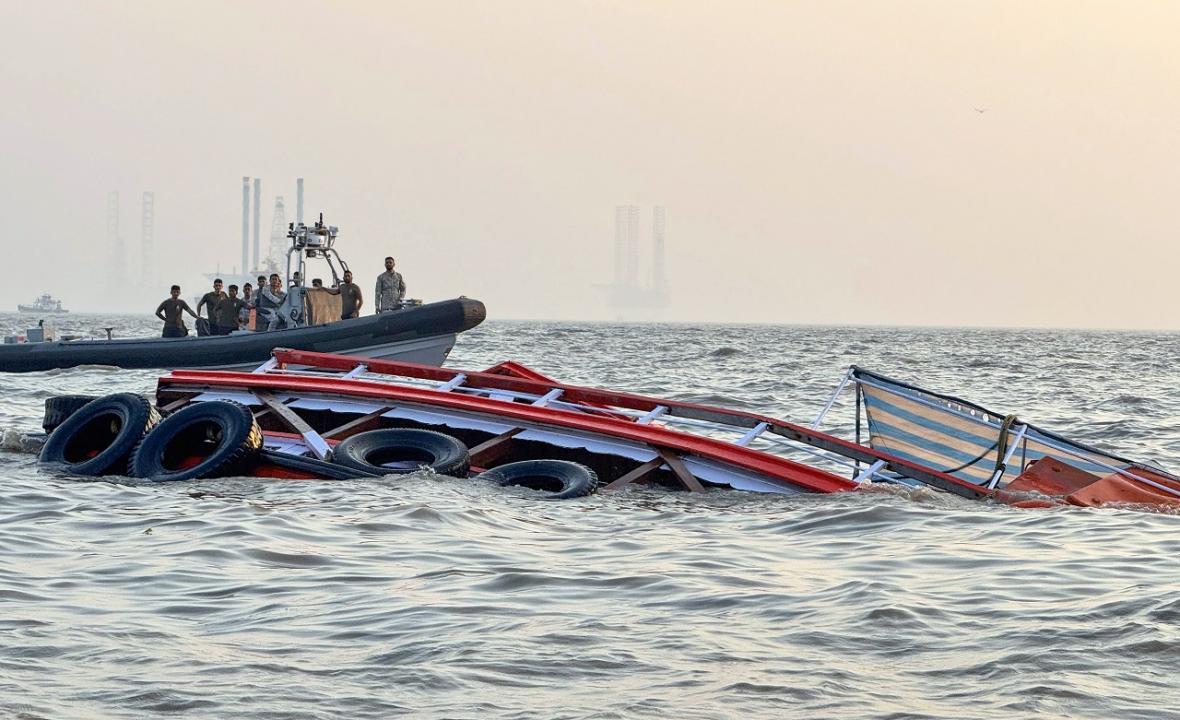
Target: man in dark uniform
350,297
209,301
227,311
170,312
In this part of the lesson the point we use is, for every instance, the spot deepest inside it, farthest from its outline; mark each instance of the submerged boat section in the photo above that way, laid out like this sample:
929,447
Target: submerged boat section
307,414
1011,460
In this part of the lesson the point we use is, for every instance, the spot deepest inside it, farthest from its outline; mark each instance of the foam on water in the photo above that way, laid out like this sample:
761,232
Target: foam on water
438,597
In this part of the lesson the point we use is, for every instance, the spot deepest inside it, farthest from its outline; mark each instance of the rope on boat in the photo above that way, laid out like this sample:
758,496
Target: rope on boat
1000,446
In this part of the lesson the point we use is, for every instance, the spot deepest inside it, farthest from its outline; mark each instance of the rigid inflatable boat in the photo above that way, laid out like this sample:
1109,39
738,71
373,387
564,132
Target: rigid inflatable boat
306,319
423,334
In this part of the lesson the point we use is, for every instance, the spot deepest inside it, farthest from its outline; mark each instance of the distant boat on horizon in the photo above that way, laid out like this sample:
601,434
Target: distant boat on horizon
44,304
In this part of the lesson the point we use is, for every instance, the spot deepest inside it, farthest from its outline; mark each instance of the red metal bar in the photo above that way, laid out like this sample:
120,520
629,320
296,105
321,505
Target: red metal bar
515,369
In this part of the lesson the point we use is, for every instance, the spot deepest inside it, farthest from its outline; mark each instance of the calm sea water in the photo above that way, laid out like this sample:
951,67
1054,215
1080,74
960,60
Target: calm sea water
427,597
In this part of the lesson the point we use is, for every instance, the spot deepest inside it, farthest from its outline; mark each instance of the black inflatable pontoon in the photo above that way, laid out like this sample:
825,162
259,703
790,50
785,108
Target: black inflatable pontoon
418,334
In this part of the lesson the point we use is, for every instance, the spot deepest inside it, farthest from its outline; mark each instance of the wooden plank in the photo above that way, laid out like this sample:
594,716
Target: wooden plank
177,404
493,449
686,478
357,424
638,475
296,423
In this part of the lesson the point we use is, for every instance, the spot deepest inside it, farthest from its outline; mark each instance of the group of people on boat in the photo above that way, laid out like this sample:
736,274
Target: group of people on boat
256,309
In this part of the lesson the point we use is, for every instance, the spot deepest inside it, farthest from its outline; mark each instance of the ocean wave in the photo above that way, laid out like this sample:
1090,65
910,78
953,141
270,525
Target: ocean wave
446,597
21,440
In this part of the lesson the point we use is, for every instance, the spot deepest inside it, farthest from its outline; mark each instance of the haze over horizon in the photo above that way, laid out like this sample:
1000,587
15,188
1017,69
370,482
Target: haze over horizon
819,164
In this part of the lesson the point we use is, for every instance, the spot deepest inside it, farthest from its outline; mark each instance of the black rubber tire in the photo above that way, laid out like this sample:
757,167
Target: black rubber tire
556,479
223,434
327,470
412,450
98,438
60,407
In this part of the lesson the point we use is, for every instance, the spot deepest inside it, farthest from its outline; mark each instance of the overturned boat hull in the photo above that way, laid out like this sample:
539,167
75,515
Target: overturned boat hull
314,415
423,334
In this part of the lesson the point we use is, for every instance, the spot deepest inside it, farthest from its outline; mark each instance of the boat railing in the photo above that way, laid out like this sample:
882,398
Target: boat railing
864,461
1021,434
731,426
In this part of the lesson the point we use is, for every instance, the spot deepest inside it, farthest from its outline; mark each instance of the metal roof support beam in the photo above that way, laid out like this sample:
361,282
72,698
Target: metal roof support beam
652,414
754,432
267,366
869,472
313,439
832,400
358,370
452,383
548,397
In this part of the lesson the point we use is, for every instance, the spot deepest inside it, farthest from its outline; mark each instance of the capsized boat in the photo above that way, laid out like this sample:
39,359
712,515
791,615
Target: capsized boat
307,414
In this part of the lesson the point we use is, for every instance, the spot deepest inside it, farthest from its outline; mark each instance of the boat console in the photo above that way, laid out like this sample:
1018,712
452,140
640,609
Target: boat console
315,242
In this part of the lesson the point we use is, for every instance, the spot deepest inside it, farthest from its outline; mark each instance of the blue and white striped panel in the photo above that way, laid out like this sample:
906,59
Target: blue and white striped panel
942,434
931,435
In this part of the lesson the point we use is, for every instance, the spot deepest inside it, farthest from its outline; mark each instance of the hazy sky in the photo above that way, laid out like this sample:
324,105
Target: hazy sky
820,162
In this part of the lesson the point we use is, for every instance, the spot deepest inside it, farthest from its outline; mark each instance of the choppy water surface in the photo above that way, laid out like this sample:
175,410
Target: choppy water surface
445,598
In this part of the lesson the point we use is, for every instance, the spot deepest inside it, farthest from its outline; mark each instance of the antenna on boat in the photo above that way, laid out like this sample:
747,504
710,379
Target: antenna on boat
316,241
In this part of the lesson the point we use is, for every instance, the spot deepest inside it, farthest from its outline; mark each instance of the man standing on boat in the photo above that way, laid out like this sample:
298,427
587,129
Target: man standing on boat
269,300
170,312
227,311
350,297
209,301
391,288
249,300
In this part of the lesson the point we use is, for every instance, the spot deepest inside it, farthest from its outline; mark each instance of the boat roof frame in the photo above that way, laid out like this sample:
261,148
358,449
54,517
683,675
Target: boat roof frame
604,410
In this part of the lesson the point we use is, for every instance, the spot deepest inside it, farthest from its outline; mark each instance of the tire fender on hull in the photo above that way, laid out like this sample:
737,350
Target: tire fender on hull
202,440
60,407
98,438
556,479
397,452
